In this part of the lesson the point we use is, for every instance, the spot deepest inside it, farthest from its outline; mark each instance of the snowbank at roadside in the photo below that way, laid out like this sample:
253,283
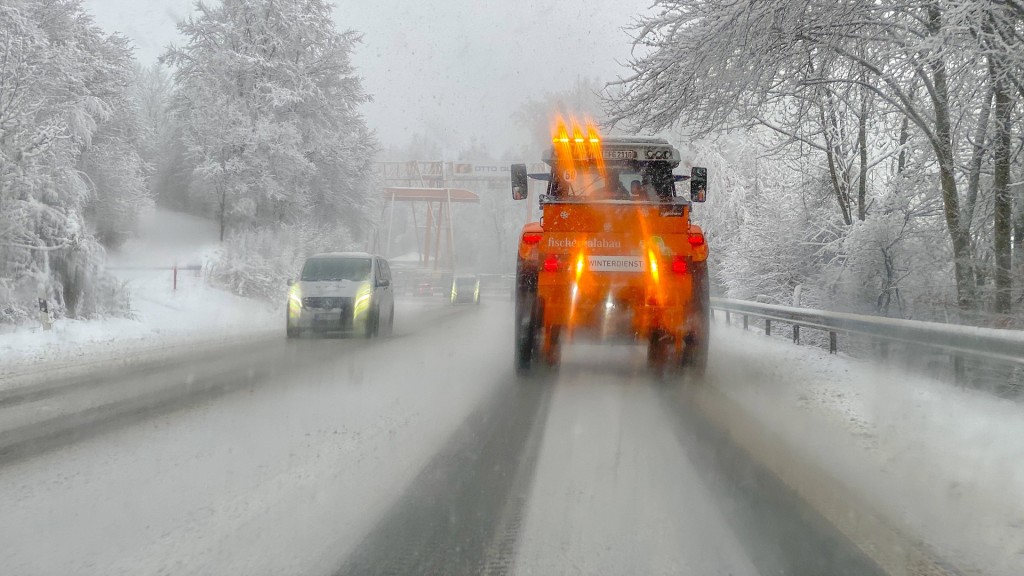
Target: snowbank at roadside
160,319
942,462
161,313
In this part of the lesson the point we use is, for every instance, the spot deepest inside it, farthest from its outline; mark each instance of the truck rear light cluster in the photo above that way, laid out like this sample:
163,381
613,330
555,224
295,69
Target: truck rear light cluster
696,240
552,263
679,265
531,238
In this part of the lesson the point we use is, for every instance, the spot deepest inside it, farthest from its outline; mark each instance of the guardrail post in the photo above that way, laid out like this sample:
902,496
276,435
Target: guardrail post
44,314
727,318
174,283
968,351
959,372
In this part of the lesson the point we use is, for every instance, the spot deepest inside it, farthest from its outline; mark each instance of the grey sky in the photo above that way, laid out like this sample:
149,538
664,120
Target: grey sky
453,69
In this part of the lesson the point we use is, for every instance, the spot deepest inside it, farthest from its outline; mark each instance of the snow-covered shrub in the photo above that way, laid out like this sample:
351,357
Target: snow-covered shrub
258,263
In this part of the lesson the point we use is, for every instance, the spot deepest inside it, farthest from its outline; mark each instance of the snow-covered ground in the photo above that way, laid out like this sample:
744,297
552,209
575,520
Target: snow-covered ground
285,478
613,492
291,475
939,462
161,315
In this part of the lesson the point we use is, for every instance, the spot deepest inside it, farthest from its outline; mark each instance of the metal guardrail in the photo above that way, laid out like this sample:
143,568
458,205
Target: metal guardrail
960,341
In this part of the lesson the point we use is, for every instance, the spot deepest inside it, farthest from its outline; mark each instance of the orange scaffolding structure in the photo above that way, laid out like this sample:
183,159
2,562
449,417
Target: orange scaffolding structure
436,244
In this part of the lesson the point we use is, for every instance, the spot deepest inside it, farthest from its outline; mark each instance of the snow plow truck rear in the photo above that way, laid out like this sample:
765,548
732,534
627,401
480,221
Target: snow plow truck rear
614,257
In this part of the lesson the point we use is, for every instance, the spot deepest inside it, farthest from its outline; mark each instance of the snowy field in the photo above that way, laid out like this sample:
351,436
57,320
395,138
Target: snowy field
160,315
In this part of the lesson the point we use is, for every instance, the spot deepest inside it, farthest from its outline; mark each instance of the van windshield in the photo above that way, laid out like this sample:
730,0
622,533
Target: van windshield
335,269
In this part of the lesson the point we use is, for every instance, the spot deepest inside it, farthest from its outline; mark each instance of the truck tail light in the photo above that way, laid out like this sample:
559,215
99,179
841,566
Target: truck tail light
679,265
531,238
696,240
551,263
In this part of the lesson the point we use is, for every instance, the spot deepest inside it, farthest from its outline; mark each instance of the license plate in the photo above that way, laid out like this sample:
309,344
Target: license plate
327,317
616,264
620,154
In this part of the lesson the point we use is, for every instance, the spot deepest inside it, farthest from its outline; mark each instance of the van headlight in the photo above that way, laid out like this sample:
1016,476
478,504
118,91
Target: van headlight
362,301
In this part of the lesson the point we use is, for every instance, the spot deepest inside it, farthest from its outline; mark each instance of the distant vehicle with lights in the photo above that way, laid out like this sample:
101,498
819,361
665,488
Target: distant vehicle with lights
615,256
424,289
465,290
342,293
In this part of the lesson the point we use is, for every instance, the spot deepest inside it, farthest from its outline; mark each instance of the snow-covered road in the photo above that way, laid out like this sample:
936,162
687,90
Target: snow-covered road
423,454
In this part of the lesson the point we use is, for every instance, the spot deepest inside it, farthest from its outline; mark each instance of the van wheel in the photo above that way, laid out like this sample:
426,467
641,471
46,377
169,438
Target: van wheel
372,324
290,331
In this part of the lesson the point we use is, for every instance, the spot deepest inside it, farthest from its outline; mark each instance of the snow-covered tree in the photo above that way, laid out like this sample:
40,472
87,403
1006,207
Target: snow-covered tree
880,91
160,139
62,92
110,162
269,105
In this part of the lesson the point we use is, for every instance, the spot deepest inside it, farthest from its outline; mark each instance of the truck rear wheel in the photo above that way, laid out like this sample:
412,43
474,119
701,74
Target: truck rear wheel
553,346
695,354
659,346
696,343
526,331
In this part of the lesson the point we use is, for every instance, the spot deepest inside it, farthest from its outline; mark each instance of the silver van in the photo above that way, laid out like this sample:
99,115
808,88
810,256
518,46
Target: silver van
343,293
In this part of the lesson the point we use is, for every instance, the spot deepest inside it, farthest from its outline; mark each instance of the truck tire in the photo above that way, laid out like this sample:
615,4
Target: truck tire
697,341
553,355
526,332
526,321
659,346
695,354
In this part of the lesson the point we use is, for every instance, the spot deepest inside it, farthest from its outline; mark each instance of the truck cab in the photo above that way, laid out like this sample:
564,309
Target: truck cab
614,257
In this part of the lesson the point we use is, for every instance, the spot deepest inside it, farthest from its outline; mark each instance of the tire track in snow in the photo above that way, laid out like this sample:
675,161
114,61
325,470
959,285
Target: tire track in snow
782,533
462,513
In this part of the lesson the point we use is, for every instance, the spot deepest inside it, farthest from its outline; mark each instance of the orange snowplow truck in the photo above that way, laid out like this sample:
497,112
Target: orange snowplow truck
614,257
